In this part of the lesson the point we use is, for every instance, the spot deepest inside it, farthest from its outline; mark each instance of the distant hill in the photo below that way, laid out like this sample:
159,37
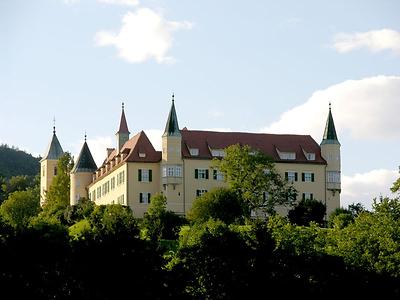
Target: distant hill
16,162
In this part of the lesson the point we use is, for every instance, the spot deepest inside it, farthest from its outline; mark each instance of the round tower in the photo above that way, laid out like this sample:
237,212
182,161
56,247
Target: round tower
82,174
48,165
330,151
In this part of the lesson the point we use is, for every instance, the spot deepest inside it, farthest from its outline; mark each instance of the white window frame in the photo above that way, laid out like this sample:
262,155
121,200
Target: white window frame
202,173
194,151
308,176
291,176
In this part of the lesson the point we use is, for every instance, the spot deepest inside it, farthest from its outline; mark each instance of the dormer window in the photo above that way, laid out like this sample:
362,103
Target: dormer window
218,152
286,155
309,155
194,151
142,154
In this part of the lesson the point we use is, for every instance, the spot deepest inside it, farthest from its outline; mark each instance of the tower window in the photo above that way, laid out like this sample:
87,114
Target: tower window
55,171
333,176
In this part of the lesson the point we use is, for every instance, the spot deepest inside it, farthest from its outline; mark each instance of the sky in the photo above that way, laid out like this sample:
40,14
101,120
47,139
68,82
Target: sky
252,66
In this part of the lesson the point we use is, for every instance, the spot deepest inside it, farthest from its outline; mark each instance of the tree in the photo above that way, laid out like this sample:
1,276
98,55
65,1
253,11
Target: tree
219,204
396,185
252,176
78,212
113,219
20,208
159,223
307,211
57,197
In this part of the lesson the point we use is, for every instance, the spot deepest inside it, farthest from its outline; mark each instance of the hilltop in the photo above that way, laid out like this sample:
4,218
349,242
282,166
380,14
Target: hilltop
17,162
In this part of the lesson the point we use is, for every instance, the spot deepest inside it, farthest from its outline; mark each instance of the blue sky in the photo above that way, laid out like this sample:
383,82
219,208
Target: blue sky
259,66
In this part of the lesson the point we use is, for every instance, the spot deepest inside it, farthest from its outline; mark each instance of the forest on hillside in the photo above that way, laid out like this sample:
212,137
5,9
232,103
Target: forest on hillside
218,251
15,162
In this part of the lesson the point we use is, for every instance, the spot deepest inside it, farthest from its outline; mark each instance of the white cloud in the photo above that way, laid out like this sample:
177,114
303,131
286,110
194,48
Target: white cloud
364,187
70,2
374,40
366,108
215,114
145,34
120,2
154,136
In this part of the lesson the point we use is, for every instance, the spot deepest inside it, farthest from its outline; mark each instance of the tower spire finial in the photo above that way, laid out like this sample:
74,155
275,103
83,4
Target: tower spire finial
123,105
54,125
173,96
85,136
330,105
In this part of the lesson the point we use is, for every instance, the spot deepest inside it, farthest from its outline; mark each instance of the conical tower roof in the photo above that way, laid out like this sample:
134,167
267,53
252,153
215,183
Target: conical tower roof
330,136
123,125
172,127
85,162
54,150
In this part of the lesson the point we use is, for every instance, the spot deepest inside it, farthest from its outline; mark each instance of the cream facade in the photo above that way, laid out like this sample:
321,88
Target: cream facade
134,172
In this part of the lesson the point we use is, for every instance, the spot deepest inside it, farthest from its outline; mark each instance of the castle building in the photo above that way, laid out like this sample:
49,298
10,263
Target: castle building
134,171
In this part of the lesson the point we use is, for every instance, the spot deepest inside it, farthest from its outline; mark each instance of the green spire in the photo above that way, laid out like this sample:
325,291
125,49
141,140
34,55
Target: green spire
85,162
330,136
172,127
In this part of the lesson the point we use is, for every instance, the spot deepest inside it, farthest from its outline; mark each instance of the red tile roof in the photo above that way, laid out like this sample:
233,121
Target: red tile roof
139,143
266,143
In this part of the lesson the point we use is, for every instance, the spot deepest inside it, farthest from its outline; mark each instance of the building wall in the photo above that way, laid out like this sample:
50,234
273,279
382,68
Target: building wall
135,187
331,153
46,177
317,188
79,184
114,195
191,184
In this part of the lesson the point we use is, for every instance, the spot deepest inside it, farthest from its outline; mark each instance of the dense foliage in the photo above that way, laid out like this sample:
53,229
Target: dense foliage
103,252
15,162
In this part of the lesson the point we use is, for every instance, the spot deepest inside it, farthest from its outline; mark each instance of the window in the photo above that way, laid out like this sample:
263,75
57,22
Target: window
172,171
307,177
121,200
310,156
112,183
142,154
201,173
194,151
43,171
145,175
217,175
120,178
286,155
334,176
99,192
291,176
144,198
55,171
94,195
217,152
200,192
308,196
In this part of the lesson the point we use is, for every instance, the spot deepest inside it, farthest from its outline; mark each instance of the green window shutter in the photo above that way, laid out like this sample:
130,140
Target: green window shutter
286,175
207,174
215,174
150,175
197,193
304,196
311,196
295,176
196,173
140,174
312,177
302,177
148,197
140,198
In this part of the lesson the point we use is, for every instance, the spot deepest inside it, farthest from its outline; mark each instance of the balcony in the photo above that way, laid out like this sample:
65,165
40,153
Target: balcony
171,180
